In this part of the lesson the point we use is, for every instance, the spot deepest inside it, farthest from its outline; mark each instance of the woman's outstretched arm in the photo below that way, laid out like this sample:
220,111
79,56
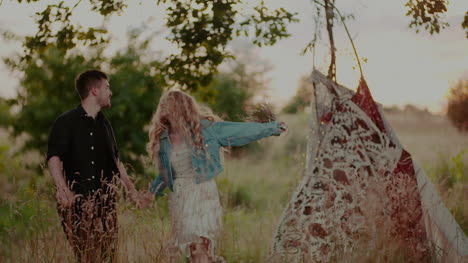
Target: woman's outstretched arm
241,133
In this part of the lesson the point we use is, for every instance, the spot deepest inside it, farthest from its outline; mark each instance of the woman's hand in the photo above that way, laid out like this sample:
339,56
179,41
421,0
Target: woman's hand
283,127
142,198
145,198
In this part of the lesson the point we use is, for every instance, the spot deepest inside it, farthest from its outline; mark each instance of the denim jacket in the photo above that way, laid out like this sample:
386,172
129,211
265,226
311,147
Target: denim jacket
216,134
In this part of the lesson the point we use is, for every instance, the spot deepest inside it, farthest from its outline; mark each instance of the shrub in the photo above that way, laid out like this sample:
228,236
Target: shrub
457,108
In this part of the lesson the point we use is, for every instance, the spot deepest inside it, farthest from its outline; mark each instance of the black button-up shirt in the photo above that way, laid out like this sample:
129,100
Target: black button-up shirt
87,148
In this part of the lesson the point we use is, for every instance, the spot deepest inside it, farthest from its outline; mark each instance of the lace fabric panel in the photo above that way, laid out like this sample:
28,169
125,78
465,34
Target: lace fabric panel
360,185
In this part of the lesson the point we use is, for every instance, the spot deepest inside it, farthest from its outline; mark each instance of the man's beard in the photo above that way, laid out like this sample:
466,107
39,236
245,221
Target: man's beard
106,103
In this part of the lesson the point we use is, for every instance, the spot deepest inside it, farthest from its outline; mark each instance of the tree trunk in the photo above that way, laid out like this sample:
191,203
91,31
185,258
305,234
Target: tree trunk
329,16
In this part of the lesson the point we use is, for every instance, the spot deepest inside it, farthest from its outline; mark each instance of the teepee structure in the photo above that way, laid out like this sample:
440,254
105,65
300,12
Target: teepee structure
362,195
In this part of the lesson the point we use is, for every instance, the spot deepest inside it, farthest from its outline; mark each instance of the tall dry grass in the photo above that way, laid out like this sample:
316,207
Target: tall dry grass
254,189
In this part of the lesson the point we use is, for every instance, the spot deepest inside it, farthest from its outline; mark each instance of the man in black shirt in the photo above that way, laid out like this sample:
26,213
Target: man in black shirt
84,162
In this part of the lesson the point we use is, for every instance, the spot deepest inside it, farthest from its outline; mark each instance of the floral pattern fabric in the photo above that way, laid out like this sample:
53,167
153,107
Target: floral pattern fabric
360,187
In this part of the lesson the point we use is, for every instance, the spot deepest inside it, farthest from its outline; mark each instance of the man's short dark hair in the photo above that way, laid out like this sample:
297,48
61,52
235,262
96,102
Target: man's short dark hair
86,80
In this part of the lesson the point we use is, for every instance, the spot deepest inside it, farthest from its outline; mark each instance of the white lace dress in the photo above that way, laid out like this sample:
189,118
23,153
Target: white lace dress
195,209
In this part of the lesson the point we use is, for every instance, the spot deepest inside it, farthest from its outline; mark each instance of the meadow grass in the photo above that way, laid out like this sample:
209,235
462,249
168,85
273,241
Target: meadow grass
254,188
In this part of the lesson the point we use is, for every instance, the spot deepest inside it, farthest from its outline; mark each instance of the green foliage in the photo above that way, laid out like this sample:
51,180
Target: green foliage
235,195
458,167
228,99
465,24
427,14
302,98
200,29
296,104
231,92
18,206
106,7
449,176
5,114
203,29
66,37
24,218
457,108
449,172
10,167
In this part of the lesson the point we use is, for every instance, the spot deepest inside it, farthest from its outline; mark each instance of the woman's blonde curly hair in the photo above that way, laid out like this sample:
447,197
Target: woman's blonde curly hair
184,109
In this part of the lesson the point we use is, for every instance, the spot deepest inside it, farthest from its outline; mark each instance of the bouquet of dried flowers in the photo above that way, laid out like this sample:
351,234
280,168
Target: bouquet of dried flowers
262,113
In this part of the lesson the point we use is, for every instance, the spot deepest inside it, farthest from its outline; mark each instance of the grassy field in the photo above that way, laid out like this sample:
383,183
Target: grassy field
254,188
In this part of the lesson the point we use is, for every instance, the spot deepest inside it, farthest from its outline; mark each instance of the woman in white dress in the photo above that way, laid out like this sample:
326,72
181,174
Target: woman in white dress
185,144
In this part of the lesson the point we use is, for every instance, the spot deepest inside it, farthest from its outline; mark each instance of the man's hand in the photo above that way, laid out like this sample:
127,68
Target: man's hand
65,197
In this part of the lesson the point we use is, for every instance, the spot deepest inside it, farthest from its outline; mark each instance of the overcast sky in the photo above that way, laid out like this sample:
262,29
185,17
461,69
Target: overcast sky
403,67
